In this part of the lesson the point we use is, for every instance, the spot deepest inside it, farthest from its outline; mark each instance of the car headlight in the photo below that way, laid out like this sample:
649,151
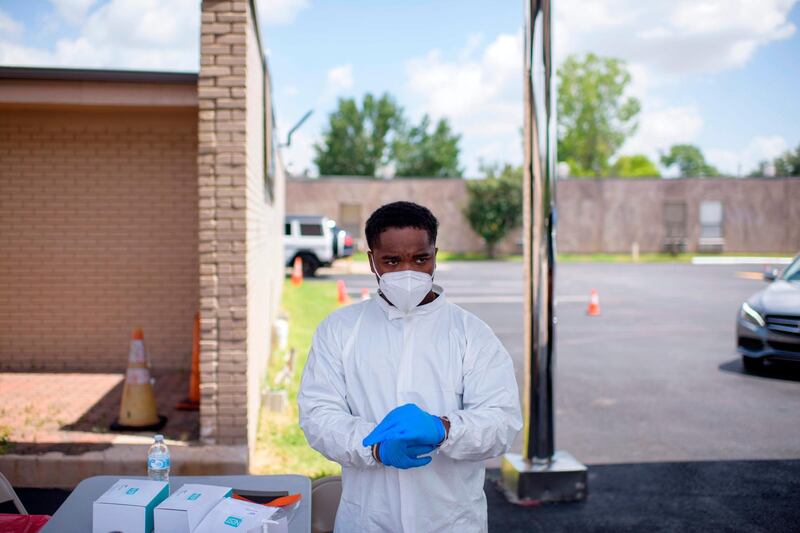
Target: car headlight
749,314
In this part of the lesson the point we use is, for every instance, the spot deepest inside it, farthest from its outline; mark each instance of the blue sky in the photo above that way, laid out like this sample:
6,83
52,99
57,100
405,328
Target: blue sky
723,74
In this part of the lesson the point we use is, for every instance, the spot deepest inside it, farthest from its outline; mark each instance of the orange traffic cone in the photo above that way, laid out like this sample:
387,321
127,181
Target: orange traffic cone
192,403
342,295
594,304
297,272
137,411
364,294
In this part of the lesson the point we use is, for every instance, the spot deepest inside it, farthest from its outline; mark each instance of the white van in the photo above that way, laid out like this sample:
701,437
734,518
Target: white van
316,240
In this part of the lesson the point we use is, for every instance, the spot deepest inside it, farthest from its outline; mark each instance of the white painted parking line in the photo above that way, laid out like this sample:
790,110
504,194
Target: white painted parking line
741,260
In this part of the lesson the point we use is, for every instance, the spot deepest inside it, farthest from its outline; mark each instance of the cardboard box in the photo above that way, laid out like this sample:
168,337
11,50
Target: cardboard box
127,507
186,508
236,515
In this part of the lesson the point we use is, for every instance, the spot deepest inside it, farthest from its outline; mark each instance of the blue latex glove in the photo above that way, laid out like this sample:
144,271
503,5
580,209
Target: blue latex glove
408,422
404,454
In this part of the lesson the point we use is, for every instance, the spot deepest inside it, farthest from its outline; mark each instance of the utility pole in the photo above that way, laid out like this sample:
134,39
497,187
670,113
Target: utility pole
540,473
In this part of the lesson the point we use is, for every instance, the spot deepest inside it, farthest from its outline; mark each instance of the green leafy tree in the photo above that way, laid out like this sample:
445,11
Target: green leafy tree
594,115
420,152
786,165
494,205
690,161
634,166
356,140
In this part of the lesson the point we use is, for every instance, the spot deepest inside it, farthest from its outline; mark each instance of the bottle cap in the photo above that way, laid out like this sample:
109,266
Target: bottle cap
159,438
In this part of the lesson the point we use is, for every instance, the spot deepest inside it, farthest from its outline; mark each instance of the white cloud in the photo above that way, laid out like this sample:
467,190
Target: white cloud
479,91
741,162
661,127
73,11
10,27
340,78
672,38
299,157
140,34
279,12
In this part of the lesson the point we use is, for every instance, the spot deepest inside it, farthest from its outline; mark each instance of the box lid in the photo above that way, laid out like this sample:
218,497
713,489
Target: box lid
236,514
135,492
193,495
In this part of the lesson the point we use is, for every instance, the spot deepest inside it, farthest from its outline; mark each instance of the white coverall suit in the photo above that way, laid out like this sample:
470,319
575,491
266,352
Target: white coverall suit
368,358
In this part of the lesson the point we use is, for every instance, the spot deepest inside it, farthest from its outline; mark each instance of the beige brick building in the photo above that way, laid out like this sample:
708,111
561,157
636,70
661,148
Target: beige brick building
137,199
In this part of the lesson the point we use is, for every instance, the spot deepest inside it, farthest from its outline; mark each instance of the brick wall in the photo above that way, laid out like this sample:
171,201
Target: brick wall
98,234
240,223
760,215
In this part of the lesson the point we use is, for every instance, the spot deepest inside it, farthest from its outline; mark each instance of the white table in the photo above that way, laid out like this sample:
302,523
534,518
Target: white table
75,515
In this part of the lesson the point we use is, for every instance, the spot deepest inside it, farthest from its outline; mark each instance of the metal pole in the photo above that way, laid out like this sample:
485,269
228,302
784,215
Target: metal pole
540,473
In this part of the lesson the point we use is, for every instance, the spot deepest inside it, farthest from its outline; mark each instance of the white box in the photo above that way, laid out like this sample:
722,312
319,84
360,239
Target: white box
236,515
186,508
127,507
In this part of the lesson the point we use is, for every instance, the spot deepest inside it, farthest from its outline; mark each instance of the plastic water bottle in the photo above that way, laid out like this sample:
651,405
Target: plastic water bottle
158,460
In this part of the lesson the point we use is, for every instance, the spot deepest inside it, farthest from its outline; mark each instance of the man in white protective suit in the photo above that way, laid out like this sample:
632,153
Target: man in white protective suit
408,392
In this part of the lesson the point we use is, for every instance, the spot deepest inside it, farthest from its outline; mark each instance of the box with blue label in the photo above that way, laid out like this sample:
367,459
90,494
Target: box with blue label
127,507
238,516
186,508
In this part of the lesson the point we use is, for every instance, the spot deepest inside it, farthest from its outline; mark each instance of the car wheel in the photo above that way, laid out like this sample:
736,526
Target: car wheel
310,265
752,364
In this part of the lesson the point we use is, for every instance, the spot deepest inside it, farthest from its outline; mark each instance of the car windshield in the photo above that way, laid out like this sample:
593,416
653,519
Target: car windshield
792,272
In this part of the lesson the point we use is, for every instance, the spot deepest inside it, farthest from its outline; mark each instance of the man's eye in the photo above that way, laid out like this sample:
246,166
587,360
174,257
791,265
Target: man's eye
391,262
421,260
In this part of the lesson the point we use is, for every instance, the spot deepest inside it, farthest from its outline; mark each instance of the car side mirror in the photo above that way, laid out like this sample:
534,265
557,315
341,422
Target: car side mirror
771,274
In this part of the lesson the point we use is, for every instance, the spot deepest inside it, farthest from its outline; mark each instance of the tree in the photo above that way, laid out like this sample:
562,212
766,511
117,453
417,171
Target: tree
634,166
494,204
690,161
355,141
420,153
786,164
594,115
359,140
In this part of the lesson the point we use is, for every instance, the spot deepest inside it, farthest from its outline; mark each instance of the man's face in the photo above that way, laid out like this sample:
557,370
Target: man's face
403,249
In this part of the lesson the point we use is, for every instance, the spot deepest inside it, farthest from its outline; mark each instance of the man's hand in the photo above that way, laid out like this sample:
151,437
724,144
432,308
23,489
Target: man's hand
404,454
410,423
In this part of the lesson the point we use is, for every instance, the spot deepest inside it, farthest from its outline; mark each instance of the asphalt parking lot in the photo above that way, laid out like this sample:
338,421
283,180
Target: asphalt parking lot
655,377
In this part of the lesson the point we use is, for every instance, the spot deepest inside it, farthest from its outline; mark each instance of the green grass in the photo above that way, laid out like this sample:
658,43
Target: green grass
5,443
281,447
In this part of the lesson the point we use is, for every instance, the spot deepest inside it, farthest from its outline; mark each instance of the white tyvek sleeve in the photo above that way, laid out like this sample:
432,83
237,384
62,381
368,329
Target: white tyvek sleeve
490,419
325,418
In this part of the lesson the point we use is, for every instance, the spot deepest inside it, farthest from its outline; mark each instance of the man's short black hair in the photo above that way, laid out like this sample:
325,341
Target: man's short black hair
401,215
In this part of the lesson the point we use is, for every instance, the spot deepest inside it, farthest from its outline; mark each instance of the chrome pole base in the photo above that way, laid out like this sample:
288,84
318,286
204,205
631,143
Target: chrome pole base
561,479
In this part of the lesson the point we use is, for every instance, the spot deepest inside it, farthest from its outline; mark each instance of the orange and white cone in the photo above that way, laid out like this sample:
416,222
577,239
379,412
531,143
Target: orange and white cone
192,402
341,291
138,408
297,272
594,304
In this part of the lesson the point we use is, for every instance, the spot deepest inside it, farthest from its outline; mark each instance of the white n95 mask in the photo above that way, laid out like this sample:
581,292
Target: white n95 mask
405,289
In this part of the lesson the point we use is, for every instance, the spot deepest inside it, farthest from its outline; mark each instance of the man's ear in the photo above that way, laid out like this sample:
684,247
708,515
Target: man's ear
371,261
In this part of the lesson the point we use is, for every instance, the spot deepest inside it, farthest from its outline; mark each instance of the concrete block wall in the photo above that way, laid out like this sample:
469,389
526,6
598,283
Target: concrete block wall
445,197
608,215
239,223
98,232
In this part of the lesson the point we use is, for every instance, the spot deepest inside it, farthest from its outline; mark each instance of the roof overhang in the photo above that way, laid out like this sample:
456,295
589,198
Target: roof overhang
27,86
